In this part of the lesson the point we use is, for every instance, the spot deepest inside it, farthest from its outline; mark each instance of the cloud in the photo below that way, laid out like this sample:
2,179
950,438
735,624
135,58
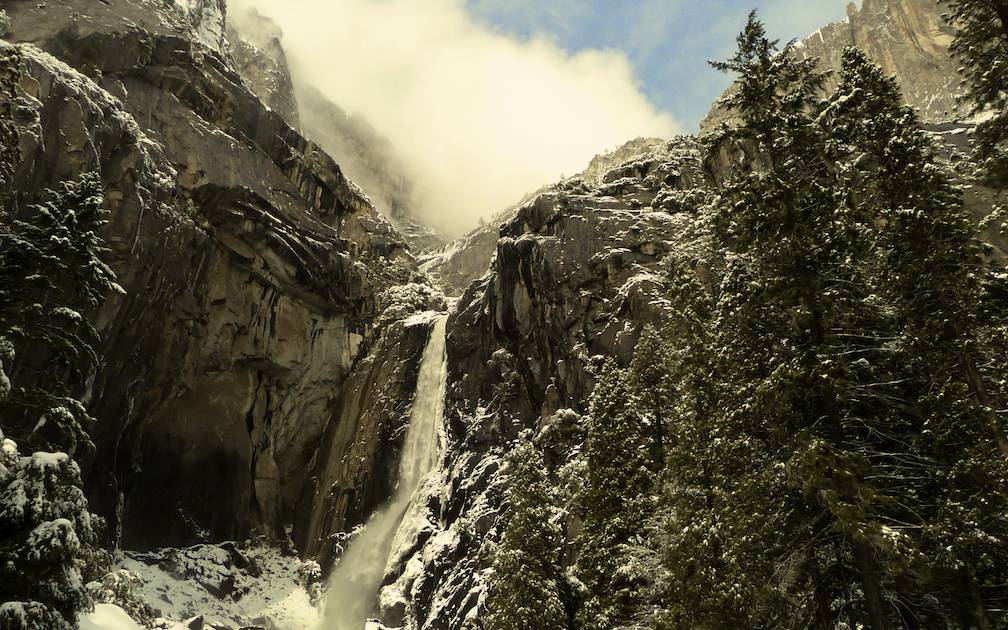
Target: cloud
479,117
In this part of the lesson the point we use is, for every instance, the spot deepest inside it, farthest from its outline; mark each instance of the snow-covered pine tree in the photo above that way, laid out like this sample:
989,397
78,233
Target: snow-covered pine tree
51,277
45,530
761,539
524,590
715,538
651,377
617,500
951,472
51,274
981,45
813,456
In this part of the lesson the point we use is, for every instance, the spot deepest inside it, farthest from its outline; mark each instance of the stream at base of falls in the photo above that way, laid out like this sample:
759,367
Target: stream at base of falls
354,582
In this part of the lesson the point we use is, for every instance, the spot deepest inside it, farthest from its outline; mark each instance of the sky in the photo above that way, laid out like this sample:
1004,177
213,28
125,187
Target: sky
488,100
668,42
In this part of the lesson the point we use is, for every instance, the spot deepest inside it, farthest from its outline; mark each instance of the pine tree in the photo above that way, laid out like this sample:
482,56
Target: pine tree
524,590
763,549
828,471
51,277
981,45
45,530
617,499
931,277
804,506
650,379
718,539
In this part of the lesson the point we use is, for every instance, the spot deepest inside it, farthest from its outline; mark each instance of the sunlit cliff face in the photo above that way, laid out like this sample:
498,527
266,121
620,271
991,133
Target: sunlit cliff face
479,118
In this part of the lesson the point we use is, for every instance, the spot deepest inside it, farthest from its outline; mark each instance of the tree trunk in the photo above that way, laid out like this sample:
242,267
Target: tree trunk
821,595
979,611
983,397
869,570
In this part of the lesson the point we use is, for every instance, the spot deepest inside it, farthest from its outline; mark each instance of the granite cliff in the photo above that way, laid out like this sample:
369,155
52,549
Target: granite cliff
251,264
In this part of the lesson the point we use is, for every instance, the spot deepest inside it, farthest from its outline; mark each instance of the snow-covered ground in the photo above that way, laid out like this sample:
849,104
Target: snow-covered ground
227,585
108,617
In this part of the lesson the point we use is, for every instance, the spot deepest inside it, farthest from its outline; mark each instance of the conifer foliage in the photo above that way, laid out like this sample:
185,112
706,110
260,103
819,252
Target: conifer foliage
842,466
525,587
617,497
45,534
51,277
981,45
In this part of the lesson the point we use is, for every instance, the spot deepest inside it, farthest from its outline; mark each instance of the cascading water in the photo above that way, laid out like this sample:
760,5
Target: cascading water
355,581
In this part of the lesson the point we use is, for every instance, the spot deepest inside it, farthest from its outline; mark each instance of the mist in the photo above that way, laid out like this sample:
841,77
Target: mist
478,118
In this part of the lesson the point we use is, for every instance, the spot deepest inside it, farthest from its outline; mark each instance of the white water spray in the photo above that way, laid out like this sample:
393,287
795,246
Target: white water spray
354,583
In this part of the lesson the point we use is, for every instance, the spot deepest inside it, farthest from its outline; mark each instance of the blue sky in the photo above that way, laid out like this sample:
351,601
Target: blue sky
668,41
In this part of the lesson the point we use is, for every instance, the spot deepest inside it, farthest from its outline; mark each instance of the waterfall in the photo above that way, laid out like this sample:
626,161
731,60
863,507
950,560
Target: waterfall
354,582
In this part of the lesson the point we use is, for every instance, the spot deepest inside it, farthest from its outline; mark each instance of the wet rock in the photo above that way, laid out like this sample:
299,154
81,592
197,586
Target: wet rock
355,469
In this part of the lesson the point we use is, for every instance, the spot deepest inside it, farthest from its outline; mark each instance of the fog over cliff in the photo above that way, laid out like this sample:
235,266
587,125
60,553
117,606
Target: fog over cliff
465,103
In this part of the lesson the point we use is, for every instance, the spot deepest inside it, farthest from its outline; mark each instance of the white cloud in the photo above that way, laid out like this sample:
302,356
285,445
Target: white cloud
479,117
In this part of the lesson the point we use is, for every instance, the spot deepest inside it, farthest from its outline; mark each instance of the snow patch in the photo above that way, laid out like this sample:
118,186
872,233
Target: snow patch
108,617
228,586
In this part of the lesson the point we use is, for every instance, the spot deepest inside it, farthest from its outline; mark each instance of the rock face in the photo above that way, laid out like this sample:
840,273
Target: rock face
368,158
262,62
461,262
355,470
907,38
458,264
249,260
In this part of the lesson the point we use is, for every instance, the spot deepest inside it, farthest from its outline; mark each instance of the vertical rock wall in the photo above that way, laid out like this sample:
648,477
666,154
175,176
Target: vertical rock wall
251,265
